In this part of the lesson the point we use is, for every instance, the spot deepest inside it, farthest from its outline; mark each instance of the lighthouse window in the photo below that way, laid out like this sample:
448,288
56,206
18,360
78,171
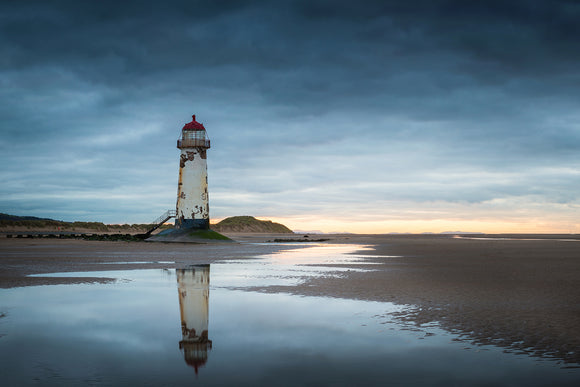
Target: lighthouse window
194,135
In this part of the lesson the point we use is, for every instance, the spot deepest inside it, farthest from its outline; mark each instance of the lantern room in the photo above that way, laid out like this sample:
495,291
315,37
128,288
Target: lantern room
193,135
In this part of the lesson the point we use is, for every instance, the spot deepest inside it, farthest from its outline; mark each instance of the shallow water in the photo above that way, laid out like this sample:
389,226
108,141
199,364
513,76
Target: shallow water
147,328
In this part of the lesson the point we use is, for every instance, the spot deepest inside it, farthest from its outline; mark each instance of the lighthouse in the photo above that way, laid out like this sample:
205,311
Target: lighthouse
192,212
192,209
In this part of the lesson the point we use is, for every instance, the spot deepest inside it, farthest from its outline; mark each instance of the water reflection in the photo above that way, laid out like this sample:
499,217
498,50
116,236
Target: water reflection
279,339
193,288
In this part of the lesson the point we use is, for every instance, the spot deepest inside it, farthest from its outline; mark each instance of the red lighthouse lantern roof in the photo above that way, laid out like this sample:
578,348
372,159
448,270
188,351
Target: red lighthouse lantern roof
193,125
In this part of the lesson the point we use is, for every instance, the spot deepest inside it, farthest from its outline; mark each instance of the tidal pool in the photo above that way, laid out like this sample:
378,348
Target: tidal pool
198,326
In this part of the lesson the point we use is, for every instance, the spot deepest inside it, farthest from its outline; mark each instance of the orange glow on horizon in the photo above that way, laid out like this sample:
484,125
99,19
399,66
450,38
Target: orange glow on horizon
325,225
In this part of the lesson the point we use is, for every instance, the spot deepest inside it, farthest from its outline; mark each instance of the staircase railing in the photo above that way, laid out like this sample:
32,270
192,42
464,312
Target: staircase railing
160,220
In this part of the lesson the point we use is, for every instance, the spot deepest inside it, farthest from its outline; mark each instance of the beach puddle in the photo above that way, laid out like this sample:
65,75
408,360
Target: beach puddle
197,325
290,267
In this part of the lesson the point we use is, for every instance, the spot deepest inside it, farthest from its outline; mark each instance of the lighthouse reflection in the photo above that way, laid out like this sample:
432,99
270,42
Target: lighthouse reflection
193,287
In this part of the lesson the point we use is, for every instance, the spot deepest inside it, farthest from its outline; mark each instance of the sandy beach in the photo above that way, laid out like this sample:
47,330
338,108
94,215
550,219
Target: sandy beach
518,292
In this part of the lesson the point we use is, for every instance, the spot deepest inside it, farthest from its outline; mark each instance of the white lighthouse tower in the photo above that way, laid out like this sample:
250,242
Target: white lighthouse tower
193,286
192,212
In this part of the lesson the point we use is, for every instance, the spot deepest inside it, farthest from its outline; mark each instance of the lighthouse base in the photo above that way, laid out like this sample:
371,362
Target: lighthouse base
192,224
189,236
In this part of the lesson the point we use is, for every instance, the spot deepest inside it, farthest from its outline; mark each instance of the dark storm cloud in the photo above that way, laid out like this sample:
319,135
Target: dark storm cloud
295,94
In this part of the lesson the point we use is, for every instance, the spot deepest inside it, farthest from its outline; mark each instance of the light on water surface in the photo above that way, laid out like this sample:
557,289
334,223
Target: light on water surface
199,326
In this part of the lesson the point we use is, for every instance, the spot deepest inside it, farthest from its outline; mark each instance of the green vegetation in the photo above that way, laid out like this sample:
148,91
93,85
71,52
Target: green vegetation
209,234
7,221
247,224
250,224
11,222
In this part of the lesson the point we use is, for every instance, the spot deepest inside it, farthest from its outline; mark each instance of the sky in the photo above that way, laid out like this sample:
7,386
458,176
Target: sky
328,116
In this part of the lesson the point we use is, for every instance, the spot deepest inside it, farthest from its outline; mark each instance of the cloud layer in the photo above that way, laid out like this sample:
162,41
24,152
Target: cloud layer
321,113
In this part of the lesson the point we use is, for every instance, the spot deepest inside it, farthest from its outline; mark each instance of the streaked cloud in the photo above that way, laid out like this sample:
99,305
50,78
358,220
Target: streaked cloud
376,115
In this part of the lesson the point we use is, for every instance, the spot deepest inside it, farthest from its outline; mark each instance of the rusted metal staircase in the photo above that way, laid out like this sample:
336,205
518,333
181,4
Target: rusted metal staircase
159,221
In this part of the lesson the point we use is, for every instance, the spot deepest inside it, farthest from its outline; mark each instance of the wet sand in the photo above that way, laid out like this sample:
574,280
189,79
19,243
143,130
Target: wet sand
523,295
20,257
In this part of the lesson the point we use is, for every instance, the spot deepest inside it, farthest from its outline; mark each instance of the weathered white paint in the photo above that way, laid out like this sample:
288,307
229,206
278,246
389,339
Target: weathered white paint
192,194
192,210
